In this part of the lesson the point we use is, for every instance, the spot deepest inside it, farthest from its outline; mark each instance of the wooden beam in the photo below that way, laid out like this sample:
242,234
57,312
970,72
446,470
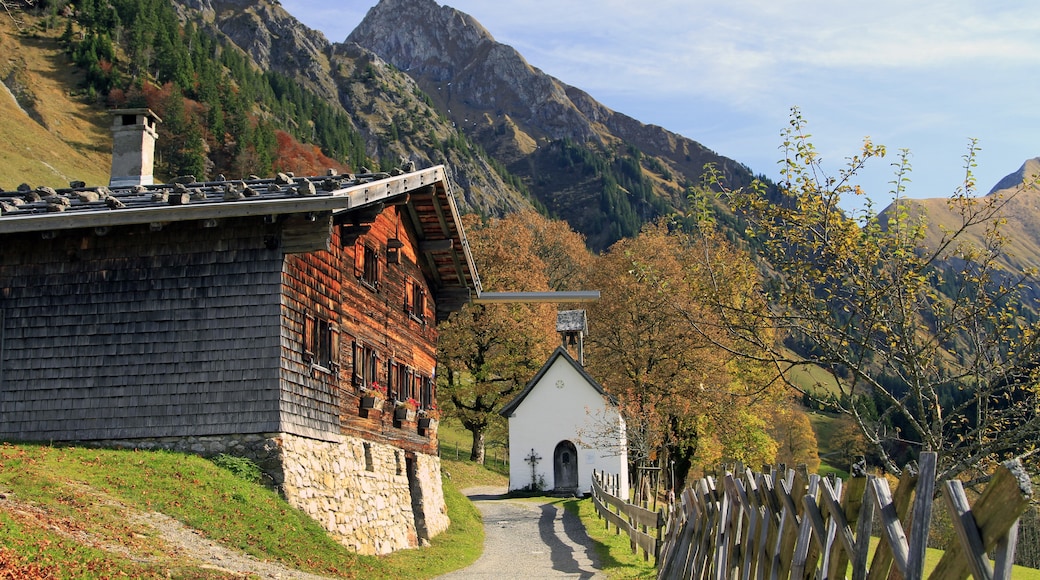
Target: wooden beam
531,297
301,234
429,246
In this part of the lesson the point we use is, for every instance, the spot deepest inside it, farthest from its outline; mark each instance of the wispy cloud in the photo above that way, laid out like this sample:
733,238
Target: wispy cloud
925,74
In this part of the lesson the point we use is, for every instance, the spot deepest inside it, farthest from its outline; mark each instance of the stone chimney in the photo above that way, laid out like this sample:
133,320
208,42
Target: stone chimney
133,147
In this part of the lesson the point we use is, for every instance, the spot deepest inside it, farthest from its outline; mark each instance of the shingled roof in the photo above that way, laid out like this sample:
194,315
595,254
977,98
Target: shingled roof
350,198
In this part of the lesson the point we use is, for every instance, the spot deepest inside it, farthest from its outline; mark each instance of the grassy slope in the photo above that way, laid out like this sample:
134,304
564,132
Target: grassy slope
71,140
74,512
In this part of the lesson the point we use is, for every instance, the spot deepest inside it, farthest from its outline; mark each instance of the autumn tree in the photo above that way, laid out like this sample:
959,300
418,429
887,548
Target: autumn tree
682,397
796,441
847,439
561,250
951,371
488,352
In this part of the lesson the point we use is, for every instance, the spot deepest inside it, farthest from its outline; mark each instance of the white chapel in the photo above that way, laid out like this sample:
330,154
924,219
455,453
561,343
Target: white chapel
564,425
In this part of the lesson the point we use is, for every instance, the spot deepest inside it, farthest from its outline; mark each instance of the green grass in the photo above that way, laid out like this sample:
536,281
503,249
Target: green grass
812,378
932,557
63,502
455,442
615,555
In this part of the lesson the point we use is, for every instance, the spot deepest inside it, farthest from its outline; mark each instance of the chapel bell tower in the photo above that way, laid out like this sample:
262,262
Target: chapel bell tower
573,326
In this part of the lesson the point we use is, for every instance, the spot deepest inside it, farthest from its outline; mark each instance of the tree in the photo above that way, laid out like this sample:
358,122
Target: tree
797,444
488,352
561,249
848,441
682,397
954,372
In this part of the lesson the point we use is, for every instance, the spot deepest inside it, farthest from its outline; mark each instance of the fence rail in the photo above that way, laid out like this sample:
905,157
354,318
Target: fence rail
791,525
645,528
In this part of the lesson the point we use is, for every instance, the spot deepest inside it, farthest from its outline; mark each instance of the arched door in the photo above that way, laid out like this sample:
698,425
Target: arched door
565,467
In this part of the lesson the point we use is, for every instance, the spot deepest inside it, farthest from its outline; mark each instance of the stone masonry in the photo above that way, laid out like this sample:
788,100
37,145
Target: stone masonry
373,498
364,493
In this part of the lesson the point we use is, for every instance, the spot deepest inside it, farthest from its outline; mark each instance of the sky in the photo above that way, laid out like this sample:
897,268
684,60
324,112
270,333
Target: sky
922,75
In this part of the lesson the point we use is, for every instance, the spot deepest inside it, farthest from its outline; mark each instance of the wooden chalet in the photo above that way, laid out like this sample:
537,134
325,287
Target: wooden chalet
292,320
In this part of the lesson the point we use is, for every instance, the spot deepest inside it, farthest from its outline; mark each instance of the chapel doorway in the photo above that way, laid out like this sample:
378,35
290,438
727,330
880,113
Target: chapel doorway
565,468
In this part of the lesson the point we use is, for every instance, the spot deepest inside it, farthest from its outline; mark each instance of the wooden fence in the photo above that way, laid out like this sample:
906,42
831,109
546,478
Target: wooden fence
645,528
791,525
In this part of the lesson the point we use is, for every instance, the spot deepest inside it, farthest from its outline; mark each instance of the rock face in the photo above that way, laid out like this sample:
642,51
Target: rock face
428,83
1028,172
451,51
272,37
521,115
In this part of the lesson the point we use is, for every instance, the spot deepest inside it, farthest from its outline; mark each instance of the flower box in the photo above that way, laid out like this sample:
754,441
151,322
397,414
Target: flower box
427,423
404,414
369,402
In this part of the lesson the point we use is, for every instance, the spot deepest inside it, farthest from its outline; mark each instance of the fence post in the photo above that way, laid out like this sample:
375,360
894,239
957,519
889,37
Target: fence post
989,523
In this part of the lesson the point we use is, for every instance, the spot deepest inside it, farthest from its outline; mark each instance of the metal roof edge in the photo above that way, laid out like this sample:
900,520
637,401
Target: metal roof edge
343,199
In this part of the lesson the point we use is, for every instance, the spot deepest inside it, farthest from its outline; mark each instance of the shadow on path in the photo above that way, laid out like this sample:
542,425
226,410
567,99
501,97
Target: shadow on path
528,539
565,549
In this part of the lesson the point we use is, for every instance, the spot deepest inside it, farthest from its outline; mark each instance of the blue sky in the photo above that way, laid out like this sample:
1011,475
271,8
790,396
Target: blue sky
922,75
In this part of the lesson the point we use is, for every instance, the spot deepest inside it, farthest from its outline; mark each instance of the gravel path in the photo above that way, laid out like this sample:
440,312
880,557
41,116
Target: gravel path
526,539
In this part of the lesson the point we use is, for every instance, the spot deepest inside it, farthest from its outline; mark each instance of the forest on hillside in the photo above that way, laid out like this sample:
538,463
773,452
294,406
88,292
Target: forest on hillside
220,114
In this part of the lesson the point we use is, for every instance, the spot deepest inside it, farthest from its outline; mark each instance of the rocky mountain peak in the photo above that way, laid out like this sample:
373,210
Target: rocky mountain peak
1029,171
421,34
458,62
272,38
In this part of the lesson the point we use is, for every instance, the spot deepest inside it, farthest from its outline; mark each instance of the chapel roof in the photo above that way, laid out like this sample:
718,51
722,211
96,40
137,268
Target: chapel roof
557,354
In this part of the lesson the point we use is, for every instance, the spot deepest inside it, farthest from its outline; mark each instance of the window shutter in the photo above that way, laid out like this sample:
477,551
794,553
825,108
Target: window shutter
373,364
359,259
358,365
427,392
309,337
375,268
334,345
409,307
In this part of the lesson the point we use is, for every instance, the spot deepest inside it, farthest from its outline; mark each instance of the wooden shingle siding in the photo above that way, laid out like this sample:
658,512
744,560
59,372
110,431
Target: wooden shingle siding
148,333
310,391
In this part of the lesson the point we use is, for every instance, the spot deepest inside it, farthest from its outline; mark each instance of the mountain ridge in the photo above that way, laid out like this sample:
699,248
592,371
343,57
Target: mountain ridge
511,136
506,104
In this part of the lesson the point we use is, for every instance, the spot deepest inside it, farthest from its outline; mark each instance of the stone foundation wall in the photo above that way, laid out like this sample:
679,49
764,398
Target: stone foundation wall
372,497
360,492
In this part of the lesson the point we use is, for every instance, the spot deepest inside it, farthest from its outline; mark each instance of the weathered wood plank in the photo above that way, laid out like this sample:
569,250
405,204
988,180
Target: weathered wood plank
882,561
1005,554
864,523
803,546
829,501
851,503
894,538
921,515
789,526
973,554
726,528
1003,501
